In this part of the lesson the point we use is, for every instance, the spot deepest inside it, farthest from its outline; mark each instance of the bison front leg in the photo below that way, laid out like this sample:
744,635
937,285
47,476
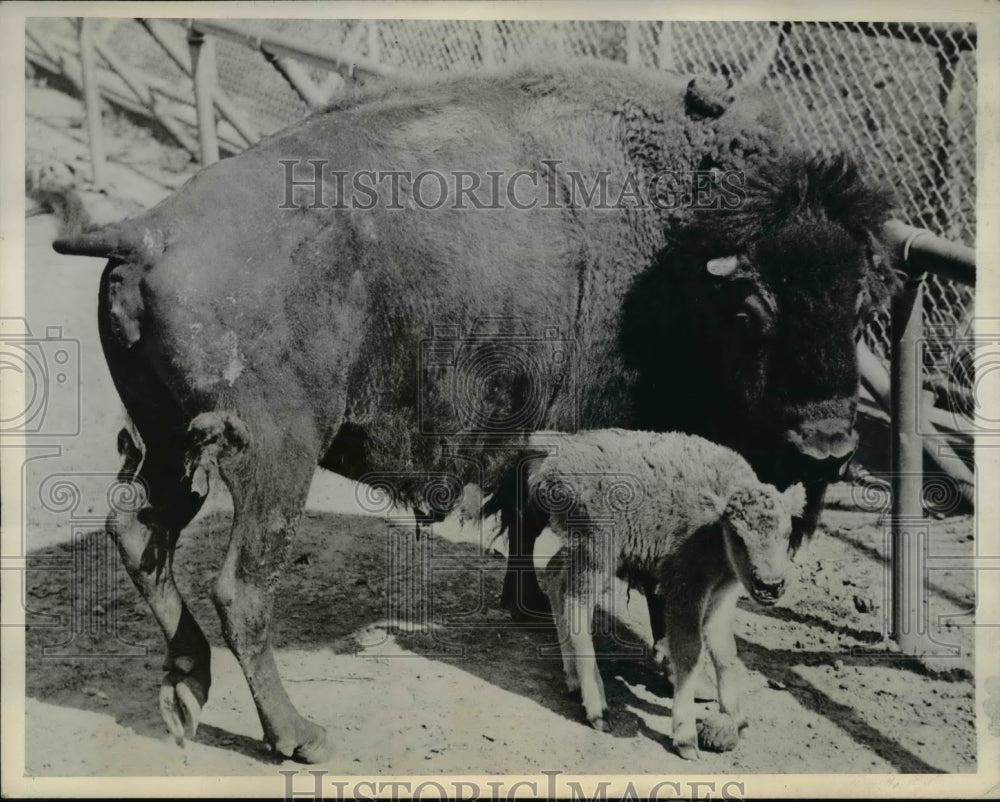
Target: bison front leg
146,536
269,482
522,596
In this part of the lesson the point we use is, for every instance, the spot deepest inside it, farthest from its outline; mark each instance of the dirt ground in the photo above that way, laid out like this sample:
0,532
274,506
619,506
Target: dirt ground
397,645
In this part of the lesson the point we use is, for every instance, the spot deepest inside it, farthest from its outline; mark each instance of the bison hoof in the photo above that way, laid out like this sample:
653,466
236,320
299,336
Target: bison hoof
718,733
181,700
531,604
310,745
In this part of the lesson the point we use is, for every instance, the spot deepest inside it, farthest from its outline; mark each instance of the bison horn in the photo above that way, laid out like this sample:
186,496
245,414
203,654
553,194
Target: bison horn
723,266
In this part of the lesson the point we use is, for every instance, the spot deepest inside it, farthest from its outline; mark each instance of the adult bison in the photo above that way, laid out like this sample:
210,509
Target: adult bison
247,321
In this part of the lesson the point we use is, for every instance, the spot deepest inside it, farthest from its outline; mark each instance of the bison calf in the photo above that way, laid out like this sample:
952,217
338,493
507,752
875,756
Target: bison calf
685,520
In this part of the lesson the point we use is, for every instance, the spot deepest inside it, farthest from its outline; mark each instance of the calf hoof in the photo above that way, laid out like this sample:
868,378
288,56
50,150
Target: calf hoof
308,745
181,699
718,733
688,751
600,723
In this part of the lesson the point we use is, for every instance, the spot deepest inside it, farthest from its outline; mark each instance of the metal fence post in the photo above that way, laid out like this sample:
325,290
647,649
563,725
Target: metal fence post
92,102
632,55
488,42
665,46
373,40
203,72
909,530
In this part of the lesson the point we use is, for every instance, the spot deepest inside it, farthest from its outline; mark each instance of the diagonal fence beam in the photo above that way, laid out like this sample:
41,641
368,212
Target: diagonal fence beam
297,78
182,59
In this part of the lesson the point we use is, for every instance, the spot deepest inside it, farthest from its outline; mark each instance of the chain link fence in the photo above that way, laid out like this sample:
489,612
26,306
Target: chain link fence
901,97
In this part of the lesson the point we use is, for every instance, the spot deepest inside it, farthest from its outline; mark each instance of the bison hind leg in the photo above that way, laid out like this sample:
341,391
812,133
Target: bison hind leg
146,530
268,464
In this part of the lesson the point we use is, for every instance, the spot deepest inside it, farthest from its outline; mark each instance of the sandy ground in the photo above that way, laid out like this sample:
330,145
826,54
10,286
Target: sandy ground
397,645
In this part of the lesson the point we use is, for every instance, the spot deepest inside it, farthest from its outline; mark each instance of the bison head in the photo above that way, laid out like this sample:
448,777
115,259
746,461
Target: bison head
744,330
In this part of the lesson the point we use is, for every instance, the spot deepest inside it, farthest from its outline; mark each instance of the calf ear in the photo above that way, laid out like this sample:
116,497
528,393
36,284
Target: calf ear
795,499
710,509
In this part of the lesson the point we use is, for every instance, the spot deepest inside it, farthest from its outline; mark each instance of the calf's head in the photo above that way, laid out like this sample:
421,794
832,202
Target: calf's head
745,328
756,528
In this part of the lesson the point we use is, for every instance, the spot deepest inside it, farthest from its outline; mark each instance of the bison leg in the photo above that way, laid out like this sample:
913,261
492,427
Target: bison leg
522,595
269,482
146,537
720,732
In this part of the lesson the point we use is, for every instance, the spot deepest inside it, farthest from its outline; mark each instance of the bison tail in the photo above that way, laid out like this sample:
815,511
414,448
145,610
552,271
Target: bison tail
101,242
117,239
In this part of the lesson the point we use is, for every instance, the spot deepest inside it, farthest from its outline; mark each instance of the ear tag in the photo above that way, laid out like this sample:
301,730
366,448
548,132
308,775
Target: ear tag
723,266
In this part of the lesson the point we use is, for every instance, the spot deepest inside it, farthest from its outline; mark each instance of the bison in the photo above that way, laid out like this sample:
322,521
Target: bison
267,322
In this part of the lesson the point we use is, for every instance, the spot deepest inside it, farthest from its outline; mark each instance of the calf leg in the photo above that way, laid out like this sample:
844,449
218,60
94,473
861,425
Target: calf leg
269,483
720,731
684,645
578,611
705,682
554,580
146,534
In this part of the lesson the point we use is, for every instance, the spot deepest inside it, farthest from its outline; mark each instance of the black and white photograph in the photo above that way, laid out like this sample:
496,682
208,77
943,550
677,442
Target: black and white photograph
499,400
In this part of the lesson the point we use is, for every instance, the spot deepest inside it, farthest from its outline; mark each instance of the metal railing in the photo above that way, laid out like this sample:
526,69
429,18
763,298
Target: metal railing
919,252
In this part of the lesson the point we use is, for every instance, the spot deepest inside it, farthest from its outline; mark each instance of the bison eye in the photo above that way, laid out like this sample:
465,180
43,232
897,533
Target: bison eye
748,330
753,321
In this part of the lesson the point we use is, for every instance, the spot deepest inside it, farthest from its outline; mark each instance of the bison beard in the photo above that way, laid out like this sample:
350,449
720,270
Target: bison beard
303,327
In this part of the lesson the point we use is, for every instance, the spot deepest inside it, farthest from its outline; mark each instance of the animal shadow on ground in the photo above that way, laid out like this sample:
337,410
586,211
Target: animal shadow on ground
347,576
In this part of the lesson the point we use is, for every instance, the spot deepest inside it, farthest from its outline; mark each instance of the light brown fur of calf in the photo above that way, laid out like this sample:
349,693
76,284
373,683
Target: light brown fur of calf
689,523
